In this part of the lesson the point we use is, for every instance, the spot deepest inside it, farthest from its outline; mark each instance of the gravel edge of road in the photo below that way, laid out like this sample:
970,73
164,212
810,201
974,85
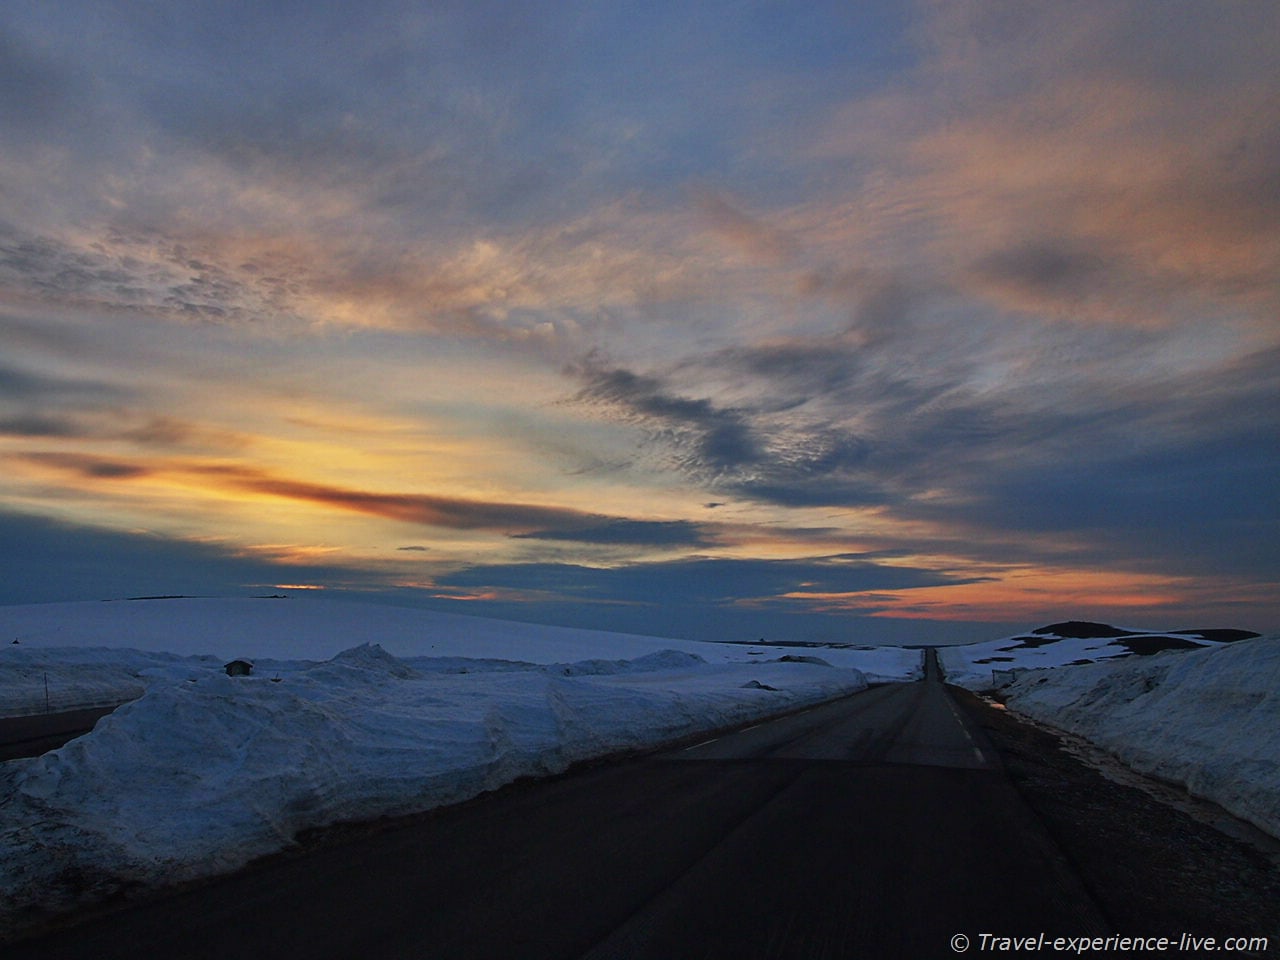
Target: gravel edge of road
1154,869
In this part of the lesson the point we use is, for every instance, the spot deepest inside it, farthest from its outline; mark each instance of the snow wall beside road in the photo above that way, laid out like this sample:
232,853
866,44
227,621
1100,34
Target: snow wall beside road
1207,719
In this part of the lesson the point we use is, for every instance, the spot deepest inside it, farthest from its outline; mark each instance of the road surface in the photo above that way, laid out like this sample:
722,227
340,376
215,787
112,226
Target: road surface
40,733
879,825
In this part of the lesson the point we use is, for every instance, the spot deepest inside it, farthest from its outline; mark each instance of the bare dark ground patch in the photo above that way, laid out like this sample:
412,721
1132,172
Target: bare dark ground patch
1153,869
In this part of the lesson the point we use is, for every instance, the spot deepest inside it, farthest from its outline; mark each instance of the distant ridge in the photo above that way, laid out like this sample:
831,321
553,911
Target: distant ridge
1083,630
1220,635
1088,630
1074,643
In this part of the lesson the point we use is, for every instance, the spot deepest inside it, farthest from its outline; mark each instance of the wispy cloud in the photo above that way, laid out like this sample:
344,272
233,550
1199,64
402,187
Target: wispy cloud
21,384
520,520
993,286
1061,173
667,533
700,580
448,512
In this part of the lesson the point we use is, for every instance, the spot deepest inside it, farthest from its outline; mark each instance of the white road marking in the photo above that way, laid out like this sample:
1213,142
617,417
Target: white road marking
963,729
702,744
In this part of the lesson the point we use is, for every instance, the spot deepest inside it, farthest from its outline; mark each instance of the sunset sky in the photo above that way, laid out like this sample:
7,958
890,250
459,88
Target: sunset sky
864,321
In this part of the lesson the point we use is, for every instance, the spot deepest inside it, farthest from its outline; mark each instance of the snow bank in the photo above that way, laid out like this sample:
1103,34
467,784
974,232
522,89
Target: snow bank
43,680
206,771
1208,719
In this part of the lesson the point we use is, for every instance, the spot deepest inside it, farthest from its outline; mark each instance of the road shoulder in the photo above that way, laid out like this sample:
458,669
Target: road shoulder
1152,868
30,736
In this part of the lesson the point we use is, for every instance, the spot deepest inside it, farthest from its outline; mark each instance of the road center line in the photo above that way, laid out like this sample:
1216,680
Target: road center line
963,728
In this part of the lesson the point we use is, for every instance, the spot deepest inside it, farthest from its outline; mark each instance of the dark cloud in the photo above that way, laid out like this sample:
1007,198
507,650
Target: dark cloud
36,425
110,422
161,431
47,266
520,520
701,598
1170,476
814,492
141,273
1203,509
1047,268
1165,472
26,385
856,419
738,449
47,561
800,368
880,304
719,439
450,512
698,581
666,533
89,466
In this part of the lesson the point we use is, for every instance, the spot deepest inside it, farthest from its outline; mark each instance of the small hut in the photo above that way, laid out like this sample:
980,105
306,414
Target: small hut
239,668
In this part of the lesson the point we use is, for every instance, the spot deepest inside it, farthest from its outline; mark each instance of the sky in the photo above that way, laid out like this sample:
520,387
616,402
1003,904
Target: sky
823,321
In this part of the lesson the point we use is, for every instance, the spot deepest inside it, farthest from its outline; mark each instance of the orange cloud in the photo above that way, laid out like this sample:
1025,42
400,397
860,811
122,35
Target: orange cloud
1016,595
1059,160
453,513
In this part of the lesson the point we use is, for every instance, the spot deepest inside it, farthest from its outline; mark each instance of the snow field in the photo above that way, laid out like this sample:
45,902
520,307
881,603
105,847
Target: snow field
160,631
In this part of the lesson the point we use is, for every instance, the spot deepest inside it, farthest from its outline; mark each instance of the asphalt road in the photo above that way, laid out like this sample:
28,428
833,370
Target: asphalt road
879,825
40,733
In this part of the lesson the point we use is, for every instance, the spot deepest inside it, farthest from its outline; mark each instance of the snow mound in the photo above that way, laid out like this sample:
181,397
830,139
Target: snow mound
1206,719
205,771
369,661
663,660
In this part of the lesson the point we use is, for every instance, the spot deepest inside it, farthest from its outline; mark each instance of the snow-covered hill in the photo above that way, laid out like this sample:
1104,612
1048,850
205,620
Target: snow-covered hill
61,656
1071,643
204,771
269,629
